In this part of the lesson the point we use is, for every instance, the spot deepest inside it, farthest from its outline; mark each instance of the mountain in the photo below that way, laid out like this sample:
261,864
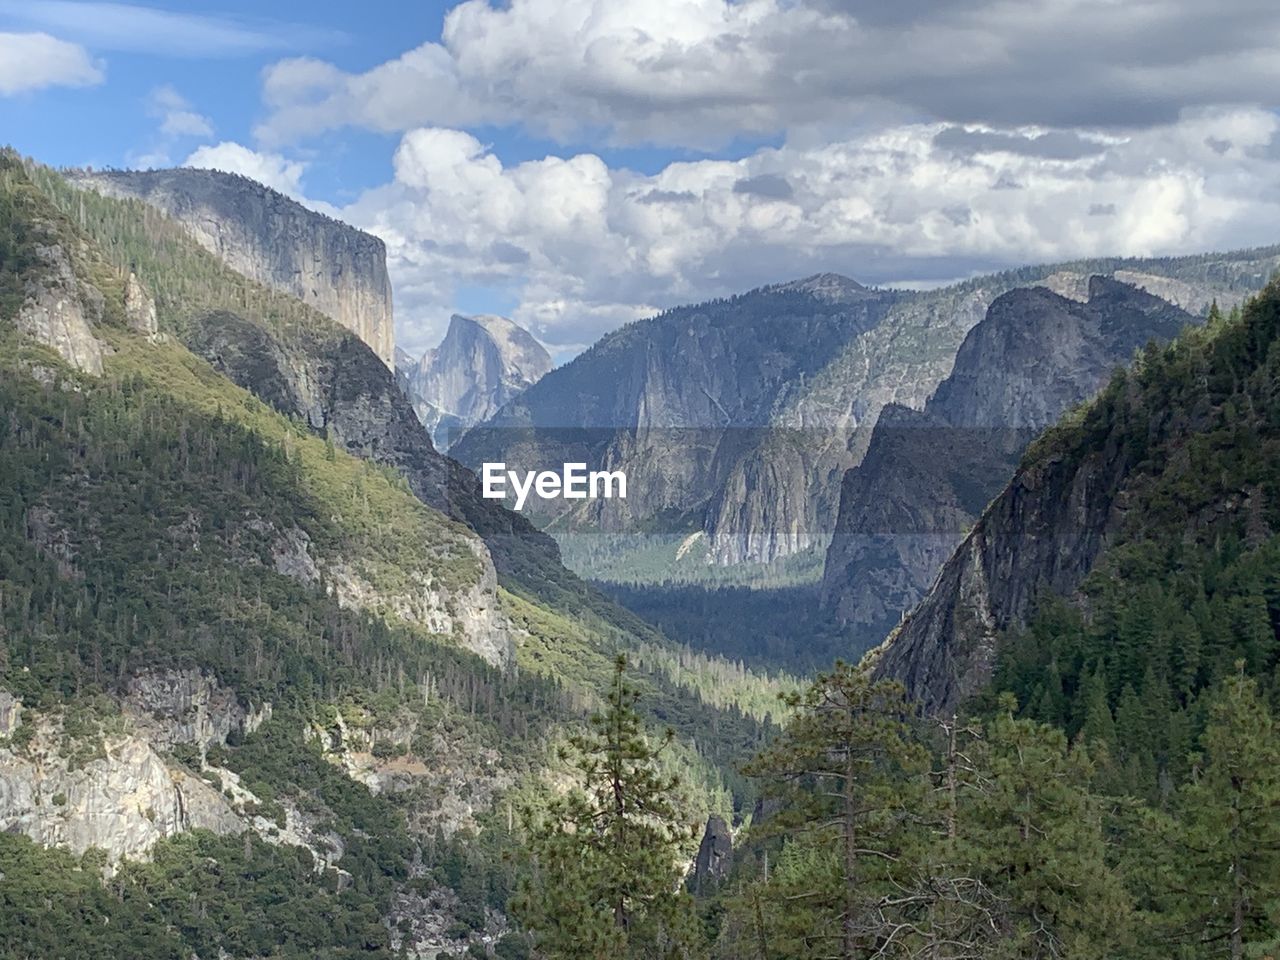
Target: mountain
680,401
736,420
264,235
261,644
483,362
1125,509
928,474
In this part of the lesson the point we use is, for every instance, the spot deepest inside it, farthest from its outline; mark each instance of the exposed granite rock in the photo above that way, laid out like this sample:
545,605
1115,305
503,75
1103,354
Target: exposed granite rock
1043,533
140,307
483,362
291,554
928,475
344,393
473,615
59,311
121,801
10,713
339,270
452,780
738,418
170,707
679,402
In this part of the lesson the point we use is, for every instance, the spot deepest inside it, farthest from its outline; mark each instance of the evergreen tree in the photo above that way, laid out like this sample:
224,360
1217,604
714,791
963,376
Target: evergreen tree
1031,831
1224,851
850,781
604,878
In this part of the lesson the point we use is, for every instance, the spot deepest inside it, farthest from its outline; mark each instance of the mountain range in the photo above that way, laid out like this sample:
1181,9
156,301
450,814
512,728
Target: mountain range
739,418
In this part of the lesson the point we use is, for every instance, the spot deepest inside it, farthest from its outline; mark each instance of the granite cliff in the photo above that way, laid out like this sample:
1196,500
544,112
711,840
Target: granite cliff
264,235
737,419
1141,471
265,625
483,362
928,474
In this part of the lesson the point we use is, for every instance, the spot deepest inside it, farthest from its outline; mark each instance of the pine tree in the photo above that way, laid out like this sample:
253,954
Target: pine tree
851,782
1032,832
604,878
1226,847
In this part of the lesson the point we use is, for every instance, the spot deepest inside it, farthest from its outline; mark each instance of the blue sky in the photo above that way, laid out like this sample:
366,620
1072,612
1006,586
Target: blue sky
580,163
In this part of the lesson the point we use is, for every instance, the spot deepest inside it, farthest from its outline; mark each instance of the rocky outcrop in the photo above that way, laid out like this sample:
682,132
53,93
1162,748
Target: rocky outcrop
1042,534
482,363
59,310
140,307
121,797
715,856
928,475
738,418
262,234
679,403
170,707
473,615
341,390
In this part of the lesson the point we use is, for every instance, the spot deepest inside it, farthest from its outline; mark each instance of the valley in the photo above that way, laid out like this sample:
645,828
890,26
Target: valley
267,649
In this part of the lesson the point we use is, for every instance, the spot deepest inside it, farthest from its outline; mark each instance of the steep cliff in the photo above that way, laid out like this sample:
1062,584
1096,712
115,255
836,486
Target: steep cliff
680,402
928,474
262,234
483,362
1143,464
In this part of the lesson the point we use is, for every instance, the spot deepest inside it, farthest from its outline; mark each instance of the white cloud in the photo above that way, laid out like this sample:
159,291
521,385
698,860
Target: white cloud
176,115
698,72
33,61
139,28
583,248
271,169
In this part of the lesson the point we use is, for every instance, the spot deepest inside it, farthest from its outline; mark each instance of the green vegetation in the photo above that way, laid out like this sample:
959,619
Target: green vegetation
161,517
1113,794
604,857
200,895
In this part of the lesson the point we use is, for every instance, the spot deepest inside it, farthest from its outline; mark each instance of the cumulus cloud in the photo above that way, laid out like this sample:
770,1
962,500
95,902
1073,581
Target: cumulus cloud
582,248
33,61
700,72
271,169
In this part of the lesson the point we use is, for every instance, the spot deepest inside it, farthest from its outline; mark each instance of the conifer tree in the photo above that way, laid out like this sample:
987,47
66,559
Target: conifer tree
604,879
1225,849
850,781
1033,833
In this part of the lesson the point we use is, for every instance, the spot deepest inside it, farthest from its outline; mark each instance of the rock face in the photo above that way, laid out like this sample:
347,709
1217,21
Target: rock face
60,310
339,270
341,390
928,475
737,419
482,363
122,798
140,307
1043,533
681,403
188,706
715,856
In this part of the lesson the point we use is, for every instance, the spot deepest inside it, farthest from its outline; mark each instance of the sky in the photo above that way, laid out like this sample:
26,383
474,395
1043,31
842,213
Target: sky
578,164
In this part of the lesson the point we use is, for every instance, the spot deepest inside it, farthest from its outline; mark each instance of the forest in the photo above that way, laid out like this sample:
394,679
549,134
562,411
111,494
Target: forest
1113,792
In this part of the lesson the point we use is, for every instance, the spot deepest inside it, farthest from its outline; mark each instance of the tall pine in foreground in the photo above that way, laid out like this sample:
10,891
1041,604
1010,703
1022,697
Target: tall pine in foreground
850,782
605,879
